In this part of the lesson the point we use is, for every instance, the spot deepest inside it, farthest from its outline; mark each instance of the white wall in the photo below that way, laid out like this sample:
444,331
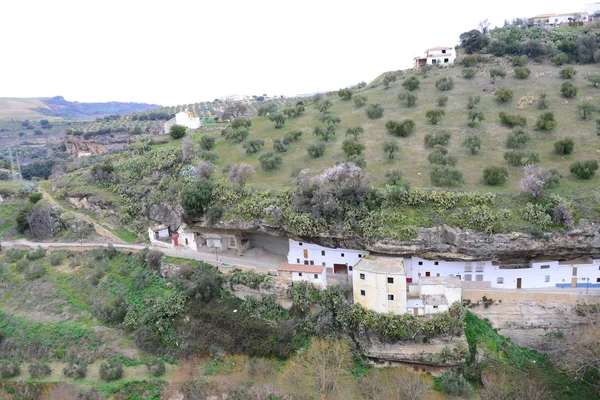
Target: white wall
377,288
440,57
182,118
315,254
191,239
320,279
157,242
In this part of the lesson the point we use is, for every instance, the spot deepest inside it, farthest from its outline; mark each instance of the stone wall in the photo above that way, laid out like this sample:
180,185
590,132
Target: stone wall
275,287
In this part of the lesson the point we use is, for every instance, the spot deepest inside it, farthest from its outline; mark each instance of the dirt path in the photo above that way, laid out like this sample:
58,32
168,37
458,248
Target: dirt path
100,230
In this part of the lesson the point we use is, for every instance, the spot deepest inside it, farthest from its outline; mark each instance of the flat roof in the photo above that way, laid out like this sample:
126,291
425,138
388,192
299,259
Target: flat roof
158,227
414,303
381,265
440,280
311,269
434,300
439,48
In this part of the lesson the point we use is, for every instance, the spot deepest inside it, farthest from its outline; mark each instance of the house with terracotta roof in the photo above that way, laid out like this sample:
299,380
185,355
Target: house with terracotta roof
315,274
439,55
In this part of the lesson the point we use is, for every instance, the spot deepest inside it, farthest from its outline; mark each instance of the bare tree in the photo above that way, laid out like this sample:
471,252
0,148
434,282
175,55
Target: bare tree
188,149
535,180
393,384
484,26
234,110
583,353
240,173
205,169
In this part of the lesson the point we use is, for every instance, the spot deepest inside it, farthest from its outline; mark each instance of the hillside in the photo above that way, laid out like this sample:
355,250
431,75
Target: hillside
58,107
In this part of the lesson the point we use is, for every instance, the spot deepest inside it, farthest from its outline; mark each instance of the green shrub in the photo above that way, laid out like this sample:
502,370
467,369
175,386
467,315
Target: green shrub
517,139
177,131
56,258
38,371
303,295
36,254
497,73
270,161
560,59
567,72
546,122
512,120
519,61
374,111
469,61
411,84
345,94
446,176
468,73
442,100
291,137
495,175
435,116
536,215
316,150
156,367
440,156
409,99
402,129
279,146
564,146
207,142
13,255
390,148
519,157
253,146
543,102
593,79
9,369
111,371
196,197
352,147
22,265
522,72
504,95
113,310
279,118
584,169
473,102
568,90
35,271
237,135
75,370
456,385
437,139
35,197
444,84
240,122
360,100
473,143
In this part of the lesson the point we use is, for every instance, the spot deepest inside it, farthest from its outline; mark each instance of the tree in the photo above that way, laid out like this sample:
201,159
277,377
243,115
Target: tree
473,102
279,146
394,177
512,120
238,135
564,146
270,161
584,169
266,109
468,73
568,72
504,95
560,59
388,78
440,156
207,142
360,100
279,120
323,105
234,110
345,94
442,175
543,102
253,146
442,100
409,99
316,150
519,61
593,79
568,90
546,122
291,137
205,169
473,143
411,84
433,139
354,131
469,61
497,73
324,133
535,180
402,129
177,131
241,123
393,383
352,148
456,385
588,45
240,173
39,169
473,41
518,157
586,109
390,148
330,119
522,72
196,197
444,84
517,139
475,117
435,116
374,111
495,175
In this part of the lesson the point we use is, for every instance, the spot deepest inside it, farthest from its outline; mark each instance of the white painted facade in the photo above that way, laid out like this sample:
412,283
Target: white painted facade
335,260
440,55
234,97
195,240
559,19
304,273
157,233
438,294
183,118
379,284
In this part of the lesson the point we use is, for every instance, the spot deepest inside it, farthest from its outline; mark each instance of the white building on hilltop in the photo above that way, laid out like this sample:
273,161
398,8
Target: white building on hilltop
337,261
183,118
439,55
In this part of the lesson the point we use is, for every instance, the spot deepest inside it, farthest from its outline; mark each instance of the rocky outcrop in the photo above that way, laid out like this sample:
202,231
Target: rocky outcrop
274,287
76,145
165,214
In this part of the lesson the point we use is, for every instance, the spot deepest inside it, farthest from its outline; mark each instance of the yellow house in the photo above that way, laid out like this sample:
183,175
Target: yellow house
380,284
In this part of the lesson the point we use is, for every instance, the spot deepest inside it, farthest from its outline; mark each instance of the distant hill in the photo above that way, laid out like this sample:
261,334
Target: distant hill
58,107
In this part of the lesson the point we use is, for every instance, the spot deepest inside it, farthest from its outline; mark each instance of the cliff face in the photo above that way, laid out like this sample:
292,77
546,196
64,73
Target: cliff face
75,145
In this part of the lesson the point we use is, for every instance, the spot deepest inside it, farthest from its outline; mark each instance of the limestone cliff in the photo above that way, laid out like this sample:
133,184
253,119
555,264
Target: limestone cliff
76,145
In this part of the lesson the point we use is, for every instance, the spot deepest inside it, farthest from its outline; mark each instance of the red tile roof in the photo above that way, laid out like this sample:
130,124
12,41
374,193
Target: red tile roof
311,269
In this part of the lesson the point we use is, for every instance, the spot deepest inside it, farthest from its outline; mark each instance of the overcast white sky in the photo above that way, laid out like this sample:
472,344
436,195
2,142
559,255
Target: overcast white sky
179,51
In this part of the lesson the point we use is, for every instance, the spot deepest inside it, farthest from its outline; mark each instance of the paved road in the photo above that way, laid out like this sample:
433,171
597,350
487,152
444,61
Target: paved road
180,253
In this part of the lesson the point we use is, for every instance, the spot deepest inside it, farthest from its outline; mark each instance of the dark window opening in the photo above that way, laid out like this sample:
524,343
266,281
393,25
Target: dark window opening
362,293
390,297
362,276
316,276
390,280
420,262
299,273
322,252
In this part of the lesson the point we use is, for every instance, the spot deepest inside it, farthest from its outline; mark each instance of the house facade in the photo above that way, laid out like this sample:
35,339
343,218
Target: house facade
183,118
314,274
379,284
439,55
438,294
337,261
196,238
160,236
559,19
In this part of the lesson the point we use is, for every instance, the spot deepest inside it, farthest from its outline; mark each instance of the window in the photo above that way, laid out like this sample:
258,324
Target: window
390,280
468,268
468,277
362,293
316,276
435,306
500,280
479,278
232,242
299,273
443,51
547,278
419,274
427,273
323,264
322,252
433,61
342,254
438,274
299,244
544,266
445,60
362,276
359,255
312,262
420,262
350,268
597,279
297,261
479,268
436,263
390,297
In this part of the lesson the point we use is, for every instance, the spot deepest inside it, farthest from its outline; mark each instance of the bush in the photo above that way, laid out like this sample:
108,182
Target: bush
469,61
473,143
564,146
196,197
560,59
207,142
38,371
316,150
352,148
519,61
522,72
270,161
437,139
440,156
345,94
519,158
177,131
456,385
240,122
156,367
279,146
444,84
35,197
473,102
442,100
253,146
21,265
468,73
546,122
584,169
9,369
36,254
536,215
291,137
568,90
587,109
497,73
567,72
360,100
543,102
504,95
279,119
411,84
35,271
495,175
237,135
409,99
13,255
435,116
75,370
512,120
390,148
374,111
111,371
402,129
445,176
56,258
154,259
517,139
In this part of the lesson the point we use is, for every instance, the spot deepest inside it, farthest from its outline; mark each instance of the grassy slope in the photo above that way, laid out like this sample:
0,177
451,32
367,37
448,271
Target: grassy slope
21,108
412,158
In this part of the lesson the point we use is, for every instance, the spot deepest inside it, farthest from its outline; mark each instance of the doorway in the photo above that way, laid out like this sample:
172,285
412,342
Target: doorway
518,283
340,269
305,253
573,282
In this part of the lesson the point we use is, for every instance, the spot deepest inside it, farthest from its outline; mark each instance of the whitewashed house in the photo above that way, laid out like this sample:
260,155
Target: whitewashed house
183,118
198,238
160,236
338,261
559,19
439,55
438,294
314,274
379,284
